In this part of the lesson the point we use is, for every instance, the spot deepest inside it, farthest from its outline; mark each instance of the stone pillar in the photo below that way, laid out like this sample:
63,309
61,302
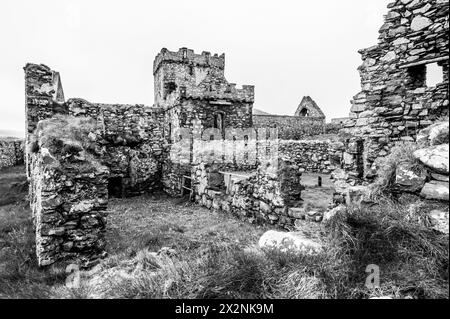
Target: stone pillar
43,90
69,196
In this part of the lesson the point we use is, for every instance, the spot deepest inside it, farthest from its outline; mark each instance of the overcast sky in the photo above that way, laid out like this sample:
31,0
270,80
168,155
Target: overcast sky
104,50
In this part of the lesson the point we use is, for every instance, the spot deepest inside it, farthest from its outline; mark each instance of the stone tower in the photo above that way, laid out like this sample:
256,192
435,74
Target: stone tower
198,103
176,73
193,91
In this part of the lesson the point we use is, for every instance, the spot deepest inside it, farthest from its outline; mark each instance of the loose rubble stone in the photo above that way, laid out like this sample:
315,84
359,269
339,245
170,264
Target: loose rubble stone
436,190
434,134
409,178
435,157
289,242
440,177
11,152
439,220
309,120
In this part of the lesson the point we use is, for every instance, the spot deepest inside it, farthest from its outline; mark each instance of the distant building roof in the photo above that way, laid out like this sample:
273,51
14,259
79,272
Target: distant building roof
259,112
309,108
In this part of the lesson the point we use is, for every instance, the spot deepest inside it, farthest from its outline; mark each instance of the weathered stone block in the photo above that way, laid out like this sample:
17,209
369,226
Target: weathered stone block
436,190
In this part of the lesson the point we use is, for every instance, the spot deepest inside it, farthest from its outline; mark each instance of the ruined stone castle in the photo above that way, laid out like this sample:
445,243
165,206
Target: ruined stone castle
197,138
201,139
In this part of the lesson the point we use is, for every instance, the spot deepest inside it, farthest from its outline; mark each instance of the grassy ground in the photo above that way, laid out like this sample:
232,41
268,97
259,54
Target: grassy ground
161,247
317,197
13,185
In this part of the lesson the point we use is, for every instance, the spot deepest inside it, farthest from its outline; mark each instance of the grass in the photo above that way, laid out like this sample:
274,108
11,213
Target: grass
160,247
412,258
386,175
20,277
395,237
13,185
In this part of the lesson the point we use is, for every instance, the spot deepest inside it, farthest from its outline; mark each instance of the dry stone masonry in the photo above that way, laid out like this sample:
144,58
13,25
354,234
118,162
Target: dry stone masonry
396,100
264,195
201,138
11,152
132,137
308,120
310,155
69,188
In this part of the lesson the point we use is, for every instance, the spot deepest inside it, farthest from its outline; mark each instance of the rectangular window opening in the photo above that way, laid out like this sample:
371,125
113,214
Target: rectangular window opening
434,74
425,75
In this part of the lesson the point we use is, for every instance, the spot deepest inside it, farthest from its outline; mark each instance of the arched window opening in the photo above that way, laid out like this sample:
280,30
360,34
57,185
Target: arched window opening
304,112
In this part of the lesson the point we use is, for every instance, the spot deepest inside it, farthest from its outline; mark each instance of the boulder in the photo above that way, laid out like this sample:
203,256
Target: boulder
439,220
434,134
408,178
435,190
434,157
289,242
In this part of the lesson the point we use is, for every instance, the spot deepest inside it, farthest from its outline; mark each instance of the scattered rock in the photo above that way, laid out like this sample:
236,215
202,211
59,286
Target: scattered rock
408,178
434,134
439,220
440,177
435,190
435,157
289,242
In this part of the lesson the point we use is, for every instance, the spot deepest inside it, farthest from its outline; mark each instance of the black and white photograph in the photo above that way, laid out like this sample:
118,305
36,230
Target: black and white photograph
224,157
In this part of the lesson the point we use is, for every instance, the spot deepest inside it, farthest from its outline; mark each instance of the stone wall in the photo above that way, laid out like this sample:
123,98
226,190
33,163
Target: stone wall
332,128
395,101
339,120
43,98
11,152
430,180
291,127
132,135
310,156
69,191
264,195
133,138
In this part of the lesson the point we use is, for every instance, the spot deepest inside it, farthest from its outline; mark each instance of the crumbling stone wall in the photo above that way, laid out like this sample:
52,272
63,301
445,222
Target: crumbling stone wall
310,156
70,180
291,127
395,101
130,149
333,128
11,152
133,138
44,97
69,191
264,195
308,120
131,134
